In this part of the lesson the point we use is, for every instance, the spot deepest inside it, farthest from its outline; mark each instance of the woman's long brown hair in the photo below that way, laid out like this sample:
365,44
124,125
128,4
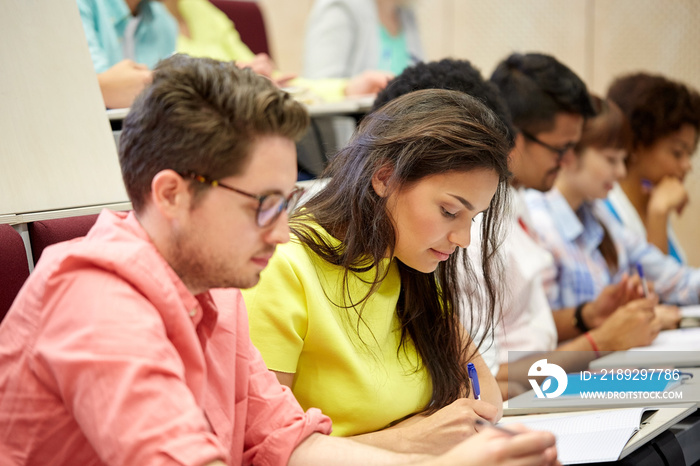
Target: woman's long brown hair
420,134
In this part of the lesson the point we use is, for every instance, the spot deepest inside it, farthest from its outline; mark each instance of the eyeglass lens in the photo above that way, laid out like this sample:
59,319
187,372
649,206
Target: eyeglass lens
272,206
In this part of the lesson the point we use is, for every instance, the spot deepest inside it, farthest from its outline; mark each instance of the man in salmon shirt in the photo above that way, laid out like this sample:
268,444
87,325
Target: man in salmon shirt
130,346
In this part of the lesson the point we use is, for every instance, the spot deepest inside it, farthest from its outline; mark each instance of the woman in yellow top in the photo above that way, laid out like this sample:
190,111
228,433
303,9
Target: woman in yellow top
359,313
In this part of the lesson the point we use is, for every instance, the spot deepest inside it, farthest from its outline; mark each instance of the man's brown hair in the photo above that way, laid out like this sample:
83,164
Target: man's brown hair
202,116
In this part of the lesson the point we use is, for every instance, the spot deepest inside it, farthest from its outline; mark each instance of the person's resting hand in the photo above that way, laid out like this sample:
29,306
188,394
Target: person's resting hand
282,79
368,82
261,63
447,427
634,324
669,316
668,195
611,298
496,448
123,82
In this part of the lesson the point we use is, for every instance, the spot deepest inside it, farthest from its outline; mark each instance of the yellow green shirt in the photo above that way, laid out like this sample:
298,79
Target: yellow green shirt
213,35
298,329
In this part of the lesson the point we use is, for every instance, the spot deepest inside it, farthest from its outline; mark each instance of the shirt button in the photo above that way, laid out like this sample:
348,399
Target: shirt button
193,312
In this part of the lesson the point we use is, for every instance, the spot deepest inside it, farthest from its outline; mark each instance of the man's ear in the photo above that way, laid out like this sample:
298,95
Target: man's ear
519,146
170,193
380,180
516,154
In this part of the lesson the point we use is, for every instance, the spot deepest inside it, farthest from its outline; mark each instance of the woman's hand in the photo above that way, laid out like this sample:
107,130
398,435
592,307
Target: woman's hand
123,82
447,427
667,196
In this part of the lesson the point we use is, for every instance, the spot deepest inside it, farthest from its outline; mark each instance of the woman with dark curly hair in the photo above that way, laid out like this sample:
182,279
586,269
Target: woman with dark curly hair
665,120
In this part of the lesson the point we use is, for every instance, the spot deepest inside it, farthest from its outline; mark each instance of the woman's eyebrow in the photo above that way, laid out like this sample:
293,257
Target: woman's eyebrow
464,202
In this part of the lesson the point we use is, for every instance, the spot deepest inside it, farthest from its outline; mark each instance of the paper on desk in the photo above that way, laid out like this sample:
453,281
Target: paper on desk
586,437
682,339
690,311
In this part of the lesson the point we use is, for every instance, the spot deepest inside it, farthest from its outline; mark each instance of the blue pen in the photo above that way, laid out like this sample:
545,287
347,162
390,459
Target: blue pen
474,379
645,287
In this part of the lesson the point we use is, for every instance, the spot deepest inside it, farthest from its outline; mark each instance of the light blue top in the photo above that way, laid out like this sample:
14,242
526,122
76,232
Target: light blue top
622,209
394,56
673,250
342,38
582,273
105,23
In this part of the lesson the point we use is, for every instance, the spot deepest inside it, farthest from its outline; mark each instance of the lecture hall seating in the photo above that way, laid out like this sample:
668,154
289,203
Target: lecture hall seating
249,22
47,232
14,267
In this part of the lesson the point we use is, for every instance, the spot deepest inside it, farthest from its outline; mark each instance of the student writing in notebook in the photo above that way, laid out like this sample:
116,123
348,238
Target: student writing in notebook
130,346
665,118
458,75
359,313
461,75
549,104
590,248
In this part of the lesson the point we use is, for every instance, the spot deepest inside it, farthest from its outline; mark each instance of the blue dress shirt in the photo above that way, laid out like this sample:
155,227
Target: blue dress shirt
582,273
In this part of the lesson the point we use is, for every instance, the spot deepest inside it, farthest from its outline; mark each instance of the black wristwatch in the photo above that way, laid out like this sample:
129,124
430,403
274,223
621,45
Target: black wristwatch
578,318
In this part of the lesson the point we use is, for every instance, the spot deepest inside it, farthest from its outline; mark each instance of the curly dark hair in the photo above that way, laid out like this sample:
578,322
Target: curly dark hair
451,74
655,106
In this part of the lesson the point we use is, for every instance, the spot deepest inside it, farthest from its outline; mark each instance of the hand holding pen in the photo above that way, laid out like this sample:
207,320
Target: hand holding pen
445,428
645,286
474,379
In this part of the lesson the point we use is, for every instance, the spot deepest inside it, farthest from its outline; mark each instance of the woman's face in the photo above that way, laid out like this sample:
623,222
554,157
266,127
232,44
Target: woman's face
667,156
433,216
595,171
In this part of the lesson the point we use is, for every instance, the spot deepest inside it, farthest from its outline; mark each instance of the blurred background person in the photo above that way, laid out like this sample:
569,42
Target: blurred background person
346,37
126,39
206,31
591,249
665,119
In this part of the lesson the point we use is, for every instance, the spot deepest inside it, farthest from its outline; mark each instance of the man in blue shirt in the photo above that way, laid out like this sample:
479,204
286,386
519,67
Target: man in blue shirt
126,39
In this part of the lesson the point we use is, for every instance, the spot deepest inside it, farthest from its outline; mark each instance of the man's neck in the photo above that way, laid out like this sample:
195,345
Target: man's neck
133,6
388,16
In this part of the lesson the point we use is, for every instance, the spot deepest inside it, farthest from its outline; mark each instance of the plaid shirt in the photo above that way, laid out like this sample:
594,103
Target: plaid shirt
582,273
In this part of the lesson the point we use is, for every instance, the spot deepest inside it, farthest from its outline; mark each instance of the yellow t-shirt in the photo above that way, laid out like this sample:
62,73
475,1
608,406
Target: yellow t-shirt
298,329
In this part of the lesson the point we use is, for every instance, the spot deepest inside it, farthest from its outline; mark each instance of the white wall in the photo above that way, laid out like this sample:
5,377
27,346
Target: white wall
56,149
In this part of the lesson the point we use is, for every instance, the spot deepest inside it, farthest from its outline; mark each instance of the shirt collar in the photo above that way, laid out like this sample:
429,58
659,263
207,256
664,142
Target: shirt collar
200,307
581,226
120,13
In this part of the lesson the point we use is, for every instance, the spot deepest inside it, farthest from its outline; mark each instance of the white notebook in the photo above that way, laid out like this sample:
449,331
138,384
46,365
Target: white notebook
587,437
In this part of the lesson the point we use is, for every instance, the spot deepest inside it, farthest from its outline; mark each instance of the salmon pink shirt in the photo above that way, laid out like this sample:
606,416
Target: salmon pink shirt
107,358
